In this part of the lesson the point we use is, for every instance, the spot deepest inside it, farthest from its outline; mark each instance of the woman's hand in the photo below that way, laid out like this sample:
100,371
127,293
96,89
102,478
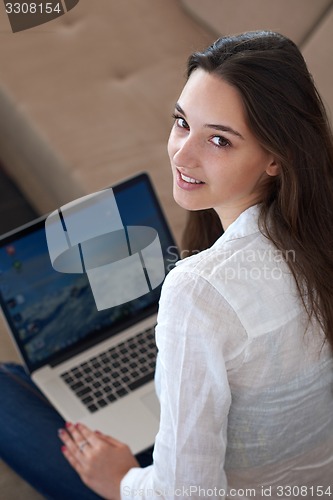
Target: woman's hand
101,461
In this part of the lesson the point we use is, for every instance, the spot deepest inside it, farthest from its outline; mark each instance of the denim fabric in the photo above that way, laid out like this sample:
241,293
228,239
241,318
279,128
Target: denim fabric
29,442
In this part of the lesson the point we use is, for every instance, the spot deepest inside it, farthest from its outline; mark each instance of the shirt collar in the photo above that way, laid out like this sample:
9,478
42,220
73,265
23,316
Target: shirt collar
245,224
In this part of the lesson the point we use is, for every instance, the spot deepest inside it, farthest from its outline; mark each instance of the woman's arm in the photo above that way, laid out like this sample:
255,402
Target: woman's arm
196,337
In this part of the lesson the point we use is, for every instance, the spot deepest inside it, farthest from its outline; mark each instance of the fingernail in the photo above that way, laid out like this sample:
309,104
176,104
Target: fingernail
60,432
68,425
63,449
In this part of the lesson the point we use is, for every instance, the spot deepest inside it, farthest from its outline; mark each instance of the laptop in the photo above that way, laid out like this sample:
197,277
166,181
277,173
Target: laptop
94,363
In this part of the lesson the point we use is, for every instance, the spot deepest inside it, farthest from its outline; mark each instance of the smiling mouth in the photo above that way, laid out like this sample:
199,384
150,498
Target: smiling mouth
190,179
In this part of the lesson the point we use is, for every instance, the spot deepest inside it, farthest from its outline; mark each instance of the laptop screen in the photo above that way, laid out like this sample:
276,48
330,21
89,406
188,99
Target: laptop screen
53,315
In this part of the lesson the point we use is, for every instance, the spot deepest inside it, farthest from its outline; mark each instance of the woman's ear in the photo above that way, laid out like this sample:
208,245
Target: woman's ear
273,168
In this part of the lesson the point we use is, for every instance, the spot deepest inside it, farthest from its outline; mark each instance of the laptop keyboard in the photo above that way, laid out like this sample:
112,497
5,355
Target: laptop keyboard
112,374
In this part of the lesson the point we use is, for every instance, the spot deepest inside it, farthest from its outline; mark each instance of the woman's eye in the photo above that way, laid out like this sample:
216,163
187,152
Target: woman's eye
180,122
220,141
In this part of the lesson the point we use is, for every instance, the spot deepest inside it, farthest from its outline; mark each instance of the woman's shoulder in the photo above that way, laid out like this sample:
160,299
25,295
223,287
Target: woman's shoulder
250,275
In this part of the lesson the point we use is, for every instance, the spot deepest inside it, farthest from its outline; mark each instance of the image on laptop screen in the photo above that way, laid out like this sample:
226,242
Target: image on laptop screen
49,311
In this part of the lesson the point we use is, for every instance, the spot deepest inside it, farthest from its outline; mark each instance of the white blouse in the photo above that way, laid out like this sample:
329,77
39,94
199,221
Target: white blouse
245,383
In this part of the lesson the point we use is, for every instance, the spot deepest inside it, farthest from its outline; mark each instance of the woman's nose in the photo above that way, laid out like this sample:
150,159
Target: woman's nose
186,153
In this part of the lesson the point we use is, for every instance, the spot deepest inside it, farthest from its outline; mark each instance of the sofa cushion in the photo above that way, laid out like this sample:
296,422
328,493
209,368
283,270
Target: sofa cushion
13,487
293,18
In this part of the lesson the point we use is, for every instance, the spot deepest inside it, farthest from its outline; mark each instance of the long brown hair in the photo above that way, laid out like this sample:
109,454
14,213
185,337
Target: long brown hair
286,114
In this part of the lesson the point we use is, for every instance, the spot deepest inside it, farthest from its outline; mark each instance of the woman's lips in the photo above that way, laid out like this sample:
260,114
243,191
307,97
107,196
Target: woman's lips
187,184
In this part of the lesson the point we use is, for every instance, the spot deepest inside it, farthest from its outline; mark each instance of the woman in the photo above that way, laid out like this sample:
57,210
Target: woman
245,369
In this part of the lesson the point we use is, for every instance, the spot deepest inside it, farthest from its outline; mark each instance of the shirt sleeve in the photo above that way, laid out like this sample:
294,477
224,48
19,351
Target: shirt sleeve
197,339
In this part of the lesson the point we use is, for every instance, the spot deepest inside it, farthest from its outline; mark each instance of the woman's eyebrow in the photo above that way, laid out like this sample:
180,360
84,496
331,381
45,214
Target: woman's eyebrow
222,128
179,109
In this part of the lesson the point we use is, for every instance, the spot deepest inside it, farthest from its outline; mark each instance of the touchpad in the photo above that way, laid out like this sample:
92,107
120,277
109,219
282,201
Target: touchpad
151,402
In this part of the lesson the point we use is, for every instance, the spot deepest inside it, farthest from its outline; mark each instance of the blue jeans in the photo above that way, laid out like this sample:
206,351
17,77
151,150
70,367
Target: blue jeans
29,442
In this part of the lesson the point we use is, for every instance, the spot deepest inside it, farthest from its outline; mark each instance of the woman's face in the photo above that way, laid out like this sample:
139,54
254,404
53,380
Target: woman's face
216,160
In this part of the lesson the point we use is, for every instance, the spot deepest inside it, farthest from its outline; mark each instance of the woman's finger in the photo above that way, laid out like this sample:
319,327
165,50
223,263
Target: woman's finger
94,437
109,439
74,441
74,432
71,458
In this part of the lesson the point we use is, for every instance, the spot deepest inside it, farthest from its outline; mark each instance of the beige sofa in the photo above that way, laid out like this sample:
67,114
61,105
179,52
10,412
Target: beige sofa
86,99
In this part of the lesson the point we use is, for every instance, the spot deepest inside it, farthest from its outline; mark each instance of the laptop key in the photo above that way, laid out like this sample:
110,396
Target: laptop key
87,400
102,403
121,392
92,408
77,386
143,380
83,392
